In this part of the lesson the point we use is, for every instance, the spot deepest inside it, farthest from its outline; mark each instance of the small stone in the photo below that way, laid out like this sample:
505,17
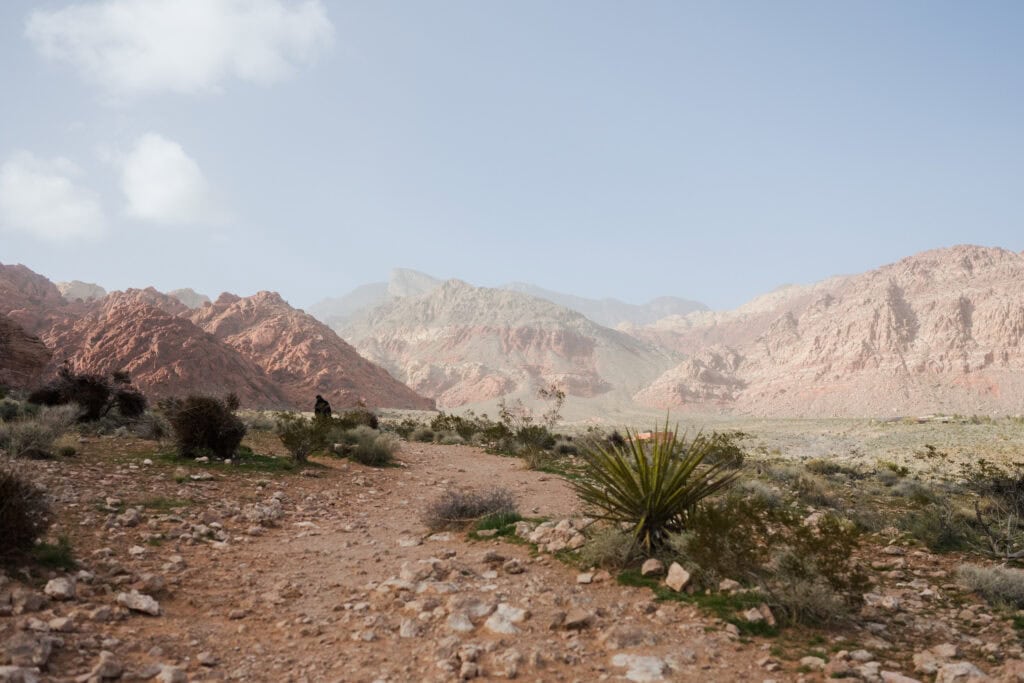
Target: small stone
578,619
139,602
813,663
19,674
411,628
753,615
108,666
585,578
640,668
62,624
171,674
677,578
652,567
728,586
505,618
959,672
896,677
207,659
60,589
459,622
513,567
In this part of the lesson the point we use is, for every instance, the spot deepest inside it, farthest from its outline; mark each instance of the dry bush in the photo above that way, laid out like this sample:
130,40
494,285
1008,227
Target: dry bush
24,513
998,585
611,548
456,509
204,425
373,448
34,437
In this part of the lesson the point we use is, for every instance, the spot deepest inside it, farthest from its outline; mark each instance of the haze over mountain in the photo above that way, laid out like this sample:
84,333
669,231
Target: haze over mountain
466,345
938,331
405,282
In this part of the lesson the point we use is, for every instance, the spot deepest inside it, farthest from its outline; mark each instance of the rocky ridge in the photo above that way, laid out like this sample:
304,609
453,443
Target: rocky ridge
23,358
467,345
940,331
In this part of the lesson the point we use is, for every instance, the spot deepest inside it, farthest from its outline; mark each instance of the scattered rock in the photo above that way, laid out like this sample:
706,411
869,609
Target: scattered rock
505,618
641,668
60,589
959,672
678,578
652,567
139,602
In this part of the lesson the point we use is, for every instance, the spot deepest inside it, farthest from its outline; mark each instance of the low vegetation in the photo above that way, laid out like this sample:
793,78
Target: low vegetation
458,509
205,426
96,395
24,513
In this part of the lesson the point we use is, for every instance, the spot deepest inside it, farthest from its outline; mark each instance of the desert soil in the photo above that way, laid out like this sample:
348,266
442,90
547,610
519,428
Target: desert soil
347,584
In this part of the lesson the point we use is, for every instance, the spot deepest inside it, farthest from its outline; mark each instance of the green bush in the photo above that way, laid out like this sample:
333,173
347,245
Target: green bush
204,425
360,415
303,436
940,525
653,486
372,448
457,509
450,439
422,434
24,513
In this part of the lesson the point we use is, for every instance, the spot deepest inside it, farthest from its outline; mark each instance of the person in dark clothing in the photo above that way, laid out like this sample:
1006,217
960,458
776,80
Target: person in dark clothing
322,407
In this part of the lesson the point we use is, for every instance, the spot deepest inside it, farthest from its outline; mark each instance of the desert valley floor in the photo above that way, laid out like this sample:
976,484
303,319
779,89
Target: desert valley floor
343,582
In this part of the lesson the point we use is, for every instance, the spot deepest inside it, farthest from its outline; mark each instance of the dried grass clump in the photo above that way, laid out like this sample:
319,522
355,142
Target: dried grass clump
998,585
610,548
34,437
457,509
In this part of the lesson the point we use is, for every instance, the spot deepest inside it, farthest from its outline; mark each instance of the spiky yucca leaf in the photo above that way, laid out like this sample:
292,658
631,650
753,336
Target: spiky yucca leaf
654,486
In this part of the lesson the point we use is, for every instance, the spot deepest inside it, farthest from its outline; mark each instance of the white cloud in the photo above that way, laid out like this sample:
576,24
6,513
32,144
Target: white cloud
163,184
41,198
185,46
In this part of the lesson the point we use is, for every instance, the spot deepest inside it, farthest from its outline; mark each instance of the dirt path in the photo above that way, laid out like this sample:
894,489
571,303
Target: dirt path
348,585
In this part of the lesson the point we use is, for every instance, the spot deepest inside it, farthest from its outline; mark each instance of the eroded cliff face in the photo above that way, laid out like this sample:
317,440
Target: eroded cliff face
301,355
23,358
939,331
269,354
165,354
462,344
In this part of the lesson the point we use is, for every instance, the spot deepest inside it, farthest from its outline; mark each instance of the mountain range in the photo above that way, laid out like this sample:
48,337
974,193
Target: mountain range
940,331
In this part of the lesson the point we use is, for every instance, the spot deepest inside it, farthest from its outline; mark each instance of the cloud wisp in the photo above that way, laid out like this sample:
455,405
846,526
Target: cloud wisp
131,47
42,198
163,184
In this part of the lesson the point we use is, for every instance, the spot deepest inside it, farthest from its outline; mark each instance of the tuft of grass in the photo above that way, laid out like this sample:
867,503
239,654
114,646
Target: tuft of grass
456,509
998,585
57,555
164,504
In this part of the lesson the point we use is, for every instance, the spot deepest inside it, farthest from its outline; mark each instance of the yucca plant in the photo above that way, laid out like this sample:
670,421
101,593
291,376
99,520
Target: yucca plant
652,485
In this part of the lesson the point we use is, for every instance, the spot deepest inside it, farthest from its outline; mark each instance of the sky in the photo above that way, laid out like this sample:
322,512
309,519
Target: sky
707,150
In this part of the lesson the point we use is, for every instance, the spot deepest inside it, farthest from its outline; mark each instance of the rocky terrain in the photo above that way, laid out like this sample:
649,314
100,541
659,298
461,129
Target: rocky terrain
301,355
76,289
270,354
465,345
940,331
192,571
23,358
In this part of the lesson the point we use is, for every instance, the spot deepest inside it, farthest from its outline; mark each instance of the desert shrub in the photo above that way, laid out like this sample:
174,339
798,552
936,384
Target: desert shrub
465,426
34,437
24,513
96,394
610,547
727,450
372,448
9,410
823,467
813,489
456,509
360,415
652,486
998,585
806,568
914,490
302,436
1002,483
759,492
565,446
939,525
204,424
802,600
727,538
151,426
404,428
450,439
423,434
257,421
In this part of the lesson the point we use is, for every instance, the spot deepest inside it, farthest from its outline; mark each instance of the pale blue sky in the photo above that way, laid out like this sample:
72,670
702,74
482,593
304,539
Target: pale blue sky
708,150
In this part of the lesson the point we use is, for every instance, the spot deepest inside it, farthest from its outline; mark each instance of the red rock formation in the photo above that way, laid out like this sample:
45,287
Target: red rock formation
23,357
30,300
166,355
302,355
942,331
